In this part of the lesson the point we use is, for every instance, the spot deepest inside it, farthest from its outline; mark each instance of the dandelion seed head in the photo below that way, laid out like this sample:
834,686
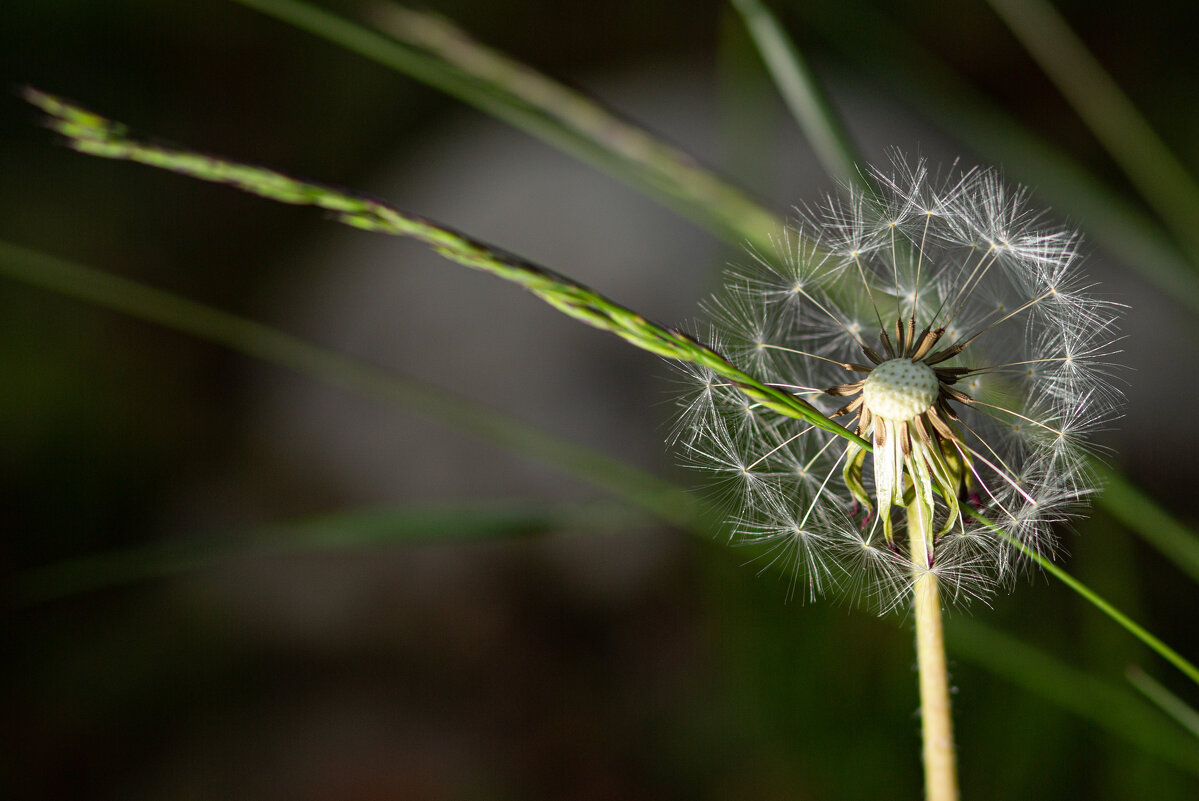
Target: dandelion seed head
948,324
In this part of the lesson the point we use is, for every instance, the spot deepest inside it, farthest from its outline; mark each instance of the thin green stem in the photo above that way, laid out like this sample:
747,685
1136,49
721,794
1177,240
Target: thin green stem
644,490
91,133
1129,625
254,339
1163,650
940,759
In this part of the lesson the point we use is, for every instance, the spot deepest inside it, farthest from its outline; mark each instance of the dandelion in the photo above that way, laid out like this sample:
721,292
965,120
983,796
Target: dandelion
949,326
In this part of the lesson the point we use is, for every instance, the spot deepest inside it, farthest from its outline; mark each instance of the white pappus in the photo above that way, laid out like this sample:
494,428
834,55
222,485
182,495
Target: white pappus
947,325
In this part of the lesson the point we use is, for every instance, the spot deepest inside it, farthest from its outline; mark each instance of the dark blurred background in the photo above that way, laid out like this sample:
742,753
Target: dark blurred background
634,663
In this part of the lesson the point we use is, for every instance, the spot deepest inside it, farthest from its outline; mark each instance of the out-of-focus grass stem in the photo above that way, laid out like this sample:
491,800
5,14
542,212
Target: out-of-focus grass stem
1168,702
432,50
1136,511
802,93
878,45
1162,180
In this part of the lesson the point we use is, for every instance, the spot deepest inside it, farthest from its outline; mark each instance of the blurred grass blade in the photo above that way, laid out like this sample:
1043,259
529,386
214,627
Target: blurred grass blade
802,93
1110,707
637,487
1165,700
90,133
345,531
871,41
1138,512
749,119
1162,180
430,49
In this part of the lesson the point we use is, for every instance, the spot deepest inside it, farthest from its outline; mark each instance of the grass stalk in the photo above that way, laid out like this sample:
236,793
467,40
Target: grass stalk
90,133
1098,601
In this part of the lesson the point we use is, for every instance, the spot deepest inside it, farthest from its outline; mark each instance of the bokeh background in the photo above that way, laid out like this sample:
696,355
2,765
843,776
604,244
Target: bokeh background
608,657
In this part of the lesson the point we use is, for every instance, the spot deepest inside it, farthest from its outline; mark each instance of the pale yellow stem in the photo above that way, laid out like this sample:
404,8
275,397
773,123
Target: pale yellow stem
940,760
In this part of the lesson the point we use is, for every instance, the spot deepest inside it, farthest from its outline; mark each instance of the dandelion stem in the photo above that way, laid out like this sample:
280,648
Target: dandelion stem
940,760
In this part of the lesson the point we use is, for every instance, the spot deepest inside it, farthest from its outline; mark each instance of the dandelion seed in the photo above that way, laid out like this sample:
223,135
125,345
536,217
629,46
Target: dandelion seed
948,325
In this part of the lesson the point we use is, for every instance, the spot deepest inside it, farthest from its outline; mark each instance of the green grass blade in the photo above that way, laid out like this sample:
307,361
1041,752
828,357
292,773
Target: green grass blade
88,132
801,92
1162,180
430,49
1109,706
1139,513
639,488
1168,702
372,528
878,44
